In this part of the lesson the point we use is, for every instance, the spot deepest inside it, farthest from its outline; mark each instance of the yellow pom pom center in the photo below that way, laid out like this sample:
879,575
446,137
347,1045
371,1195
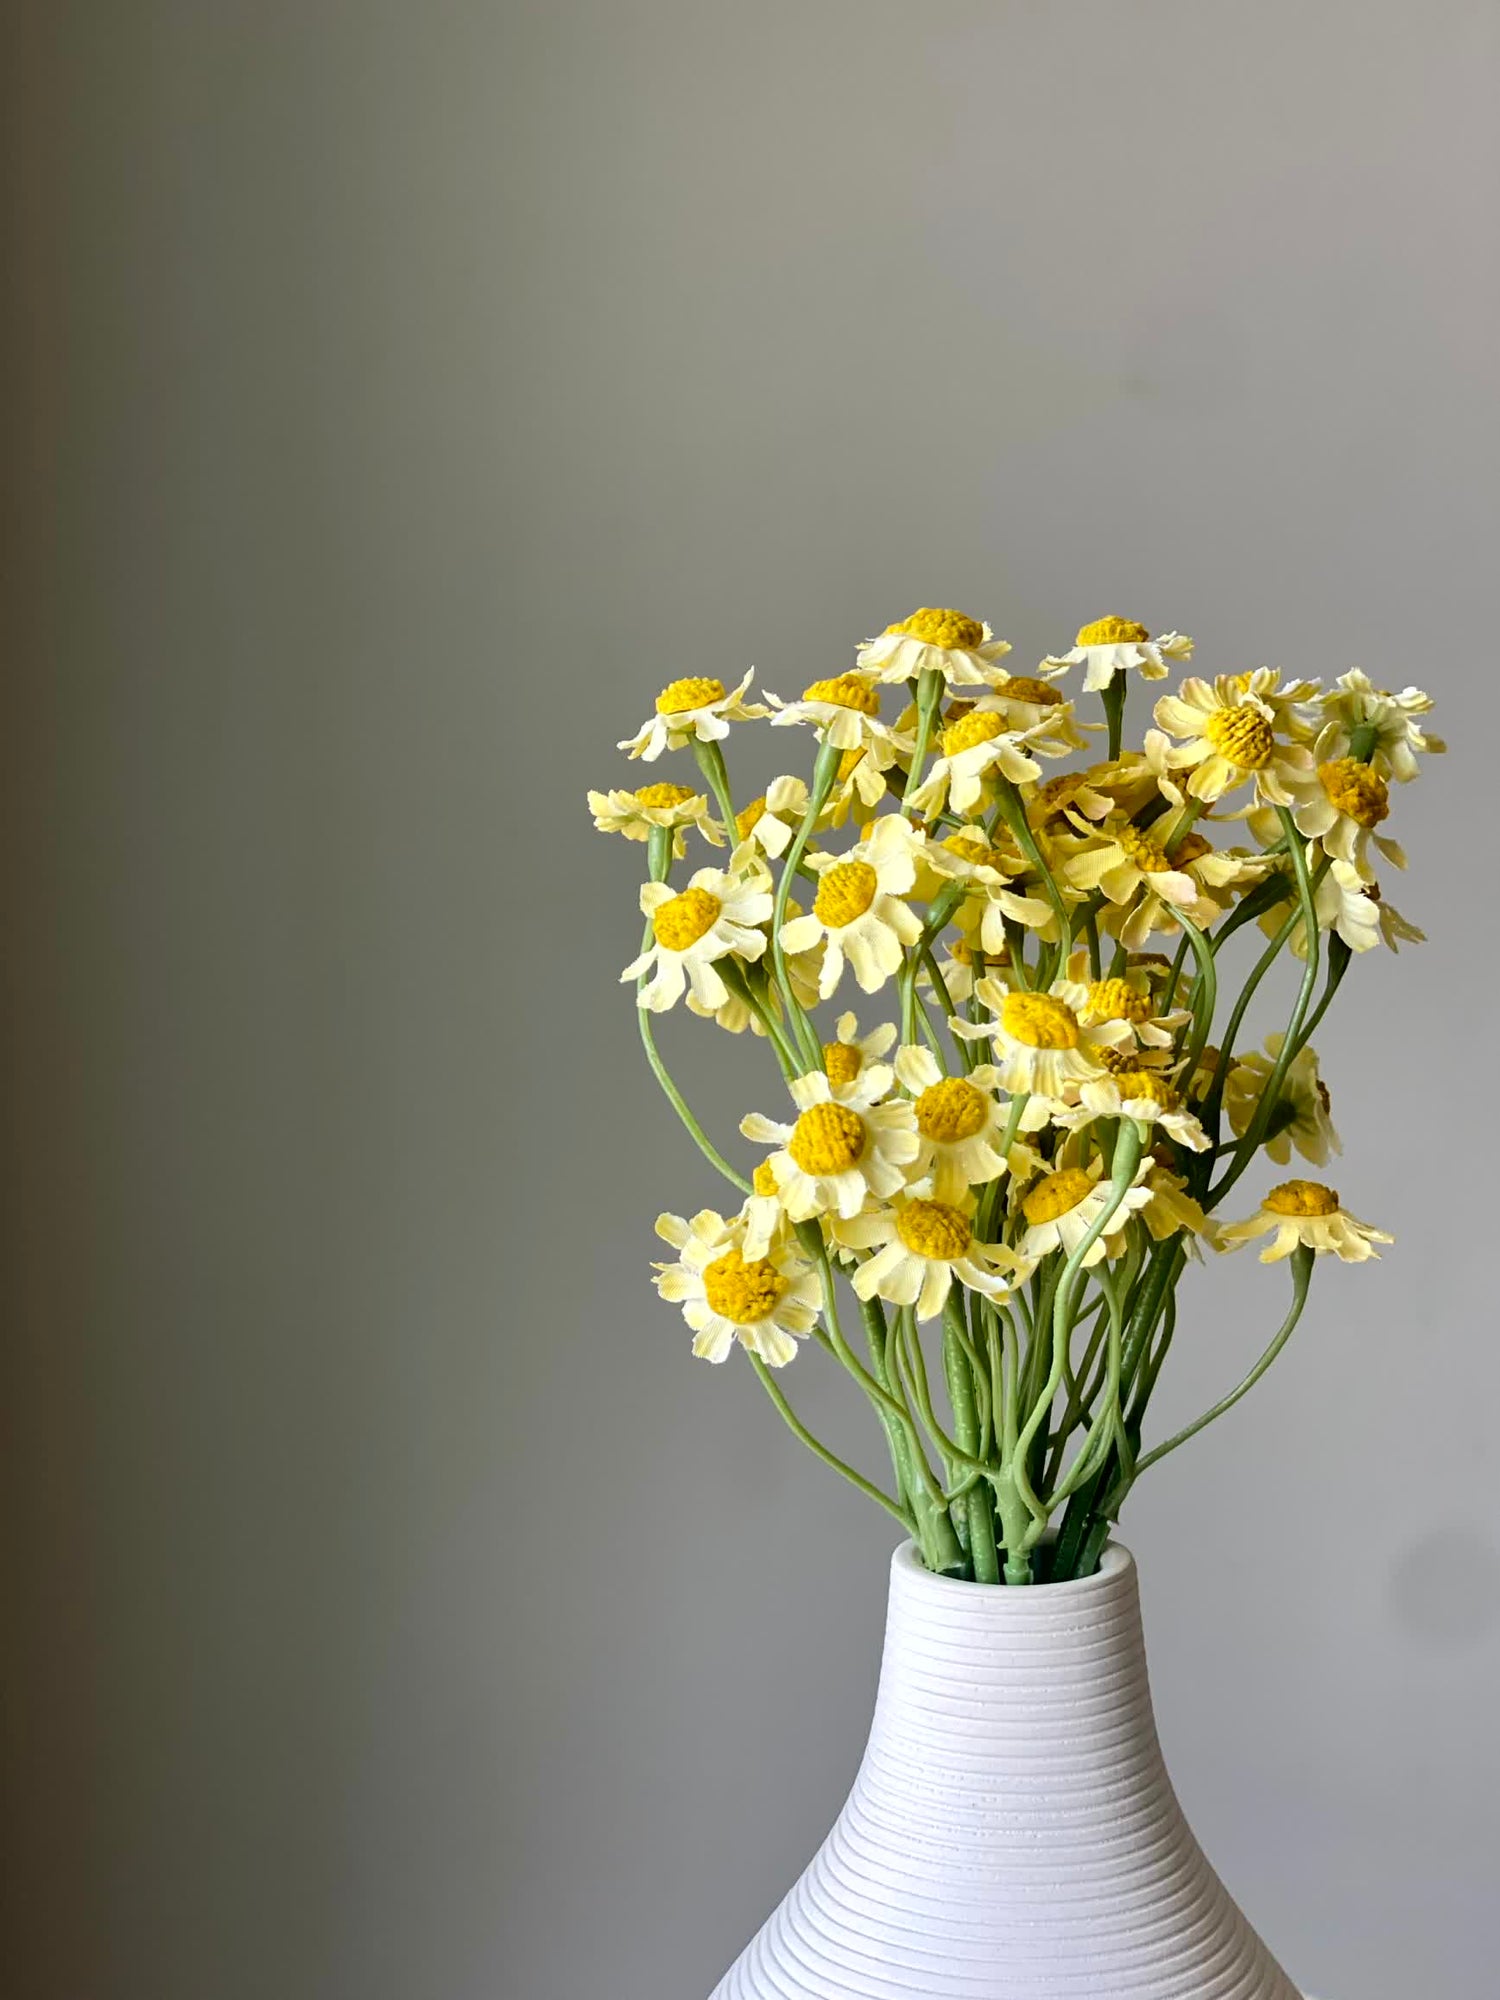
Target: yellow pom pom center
950,630
661,798
1147,855
1242,736
828,1139
695,692
845,893
1039,1021
1117,1000
845,691
1021,687
1135,1084
842,1062
1353,789
744,1292
951,1110
1301,1198
1113,632
685,919
982,726
932,1229
1057,1195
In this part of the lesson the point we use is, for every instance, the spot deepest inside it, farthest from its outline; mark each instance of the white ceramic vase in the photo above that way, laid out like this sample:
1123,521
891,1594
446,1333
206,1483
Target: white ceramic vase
1012,1833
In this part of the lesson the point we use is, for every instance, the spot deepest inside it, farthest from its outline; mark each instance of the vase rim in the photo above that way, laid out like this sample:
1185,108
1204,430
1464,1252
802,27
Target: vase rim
1115,1561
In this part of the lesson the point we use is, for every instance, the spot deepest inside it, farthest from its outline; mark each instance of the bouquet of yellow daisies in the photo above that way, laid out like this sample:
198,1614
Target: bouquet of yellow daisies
980,1205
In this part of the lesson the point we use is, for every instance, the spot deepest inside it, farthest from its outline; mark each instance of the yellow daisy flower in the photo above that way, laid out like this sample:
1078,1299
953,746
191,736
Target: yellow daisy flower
858,910
1129,998
696,707
1230,725
1043,1044
921,1245
959,1123
844,1147
978,747
638,814
1354,706
1172,1211
1111,646
1353,909
1301,1118
1060,1209
845,711
715,915
770,821
963,650
1143,1094
1338,804
766,1302
1124,785
849,1055
1305,1212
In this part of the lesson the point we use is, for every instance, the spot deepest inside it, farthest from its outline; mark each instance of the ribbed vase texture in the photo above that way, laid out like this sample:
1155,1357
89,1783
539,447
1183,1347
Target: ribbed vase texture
1012,1833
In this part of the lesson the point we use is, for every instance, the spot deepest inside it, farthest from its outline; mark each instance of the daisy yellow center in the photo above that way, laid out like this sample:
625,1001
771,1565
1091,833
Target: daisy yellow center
749,819
1021,687
1039,1021
685,919
763,1180
695,692
933,1229
845,892
1301,1198
1147,855
1057,793
949,629
1138,1083
971,847
1057,1195
1113,632
743,1292
1189,847
842,1062
951,1110
845,691
1355,790
1117,1000
983,726
1242,736
660,798
828,1139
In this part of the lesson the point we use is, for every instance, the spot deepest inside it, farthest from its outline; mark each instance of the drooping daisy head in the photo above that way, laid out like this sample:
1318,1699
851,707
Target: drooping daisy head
960,1123
1301,1116
1044,1045
981,746
1304,1213
718,913
770,821
638,814
1386,727
1062,1206
1131,997
1139,1092
859,785
845,711
1172,1211
1339,804
851,1056
962,649
765,1296
920,1246
698,707
1230,727
844,1147
1125,784
859,909
1111,646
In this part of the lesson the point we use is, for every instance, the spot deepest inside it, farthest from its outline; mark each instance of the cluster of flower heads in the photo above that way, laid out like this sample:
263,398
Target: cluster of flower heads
1046,940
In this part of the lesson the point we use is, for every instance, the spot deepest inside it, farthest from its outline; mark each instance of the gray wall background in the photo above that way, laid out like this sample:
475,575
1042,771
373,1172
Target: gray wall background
400,393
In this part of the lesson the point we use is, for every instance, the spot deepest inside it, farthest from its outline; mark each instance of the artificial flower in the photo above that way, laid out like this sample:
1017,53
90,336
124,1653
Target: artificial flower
1301,1118
638,814
1305,1213
695,708
770,821
844,1147
767,1302
1043,1045
1062,1207
920,1246
1230,726
1111,646
959,1123
690,929
963,650
858,909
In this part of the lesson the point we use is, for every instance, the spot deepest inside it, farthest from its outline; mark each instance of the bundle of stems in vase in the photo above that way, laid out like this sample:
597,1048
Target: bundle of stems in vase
981,1205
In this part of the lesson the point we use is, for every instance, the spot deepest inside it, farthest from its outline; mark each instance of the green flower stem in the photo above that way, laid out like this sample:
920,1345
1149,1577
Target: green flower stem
964,1377
1013,809
741,982
952,1451
1113,695
1179,959
1271,1090
898,1442
1205,992
1127,1158
799,1429
1302,1259
929,695
937,919
663,1075
1077,1399
710,760
825,770
1339,955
